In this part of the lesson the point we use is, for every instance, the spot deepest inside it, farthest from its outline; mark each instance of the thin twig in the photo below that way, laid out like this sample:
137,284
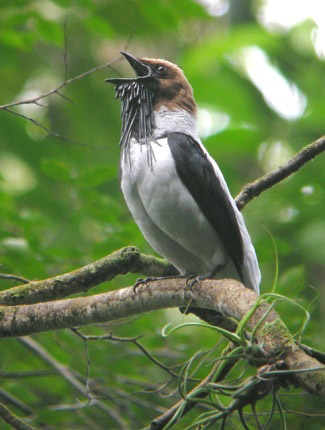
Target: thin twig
88,361
306,414
57,90
65,50
217,374
66,82
14,278
154,360
113,393
53,133
69,377
13,420
312,352
27,374
132,340
255,188
227,294
65,97
9,398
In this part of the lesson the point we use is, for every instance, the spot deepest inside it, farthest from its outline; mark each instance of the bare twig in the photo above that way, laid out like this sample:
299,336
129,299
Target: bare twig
85,340
47,358
13,420
133,340
9,398
217,374
255,188
80,280
14,278
65,50
105,307
23,375
227,295
56,90
113,393
312,352
154,360
53,133
305,414
71,379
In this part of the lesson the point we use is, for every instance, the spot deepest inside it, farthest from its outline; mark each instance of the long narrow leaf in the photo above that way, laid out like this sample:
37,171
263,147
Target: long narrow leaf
228,334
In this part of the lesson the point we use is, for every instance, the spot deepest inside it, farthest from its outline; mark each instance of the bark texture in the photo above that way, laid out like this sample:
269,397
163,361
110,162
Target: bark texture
226,296
125,260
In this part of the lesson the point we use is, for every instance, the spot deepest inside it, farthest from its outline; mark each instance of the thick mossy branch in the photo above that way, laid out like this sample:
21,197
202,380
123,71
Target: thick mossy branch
125,260
226,296
129,259
34,307
13,420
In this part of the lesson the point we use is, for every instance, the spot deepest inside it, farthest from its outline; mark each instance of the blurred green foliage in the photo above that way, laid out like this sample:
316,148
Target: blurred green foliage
60,203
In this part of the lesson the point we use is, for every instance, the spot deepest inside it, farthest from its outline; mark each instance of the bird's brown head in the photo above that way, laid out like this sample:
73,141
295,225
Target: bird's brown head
165,80
173,89
158,84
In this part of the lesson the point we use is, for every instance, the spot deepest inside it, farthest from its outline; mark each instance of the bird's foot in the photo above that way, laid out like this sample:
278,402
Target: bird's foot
142,281
192,280
146,281
195,279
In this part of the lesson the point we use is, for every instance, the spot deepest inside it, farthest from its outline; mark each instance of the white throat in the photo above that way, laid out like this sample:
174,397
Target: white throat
168,121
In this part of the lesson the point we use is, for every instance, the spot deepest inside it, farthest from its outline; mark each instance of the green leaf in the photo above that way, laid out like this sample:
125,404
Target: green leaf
311,240
98,25
63,3
236,140
12,39
292,280
97,175
50,31
57,169
189,8
215,47
162,15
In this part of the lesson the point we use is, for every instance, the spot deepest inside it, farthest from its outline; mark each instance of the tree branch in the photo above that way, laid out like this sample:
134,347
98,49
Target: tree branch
13,420
227,296
56,90
68,375
255,188
125,260
221,370
52,133
10,399
129,259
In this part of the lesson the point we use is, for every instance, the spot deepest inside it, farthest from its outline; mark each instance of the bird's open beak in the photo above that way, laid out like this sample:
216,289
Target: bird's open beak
141,70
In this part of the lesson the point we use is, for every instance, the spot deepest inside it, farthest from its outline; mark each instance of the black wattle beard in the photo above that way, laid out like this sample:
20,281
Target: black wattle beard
137,116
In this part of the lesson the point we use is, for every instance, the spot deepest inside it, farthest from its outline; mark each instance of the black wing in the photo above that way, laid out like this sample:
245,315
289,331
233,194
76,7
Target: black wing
198,176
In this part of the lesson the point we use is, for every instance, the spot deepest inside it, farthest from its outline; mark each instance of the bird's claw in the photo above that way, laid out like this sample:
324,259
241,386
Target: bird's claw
141,281
146,281
191,281
196,279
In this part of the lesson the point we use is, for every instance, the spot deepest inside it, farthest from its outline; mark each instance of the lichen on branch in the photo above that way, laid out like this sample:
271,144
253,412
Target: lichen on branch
125,260
226,296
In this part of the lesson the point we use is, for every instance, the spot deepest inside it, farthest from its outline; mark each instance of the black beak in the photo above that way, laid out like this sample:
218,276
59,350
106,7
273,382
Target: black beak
141,70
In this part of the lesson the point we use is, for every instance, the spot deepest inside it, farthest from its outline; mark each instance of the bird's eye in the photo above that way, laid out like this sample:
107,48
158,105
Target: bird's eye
161,70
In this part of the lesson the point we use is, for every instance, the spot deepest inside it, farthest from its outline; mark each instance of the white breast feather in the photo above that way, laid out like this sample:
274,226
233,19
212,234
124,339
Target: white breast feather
169,217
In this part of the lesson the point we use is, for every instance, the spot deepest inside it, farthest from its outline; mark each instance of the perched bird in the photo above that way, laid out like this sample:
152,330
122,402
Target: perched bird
173,188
